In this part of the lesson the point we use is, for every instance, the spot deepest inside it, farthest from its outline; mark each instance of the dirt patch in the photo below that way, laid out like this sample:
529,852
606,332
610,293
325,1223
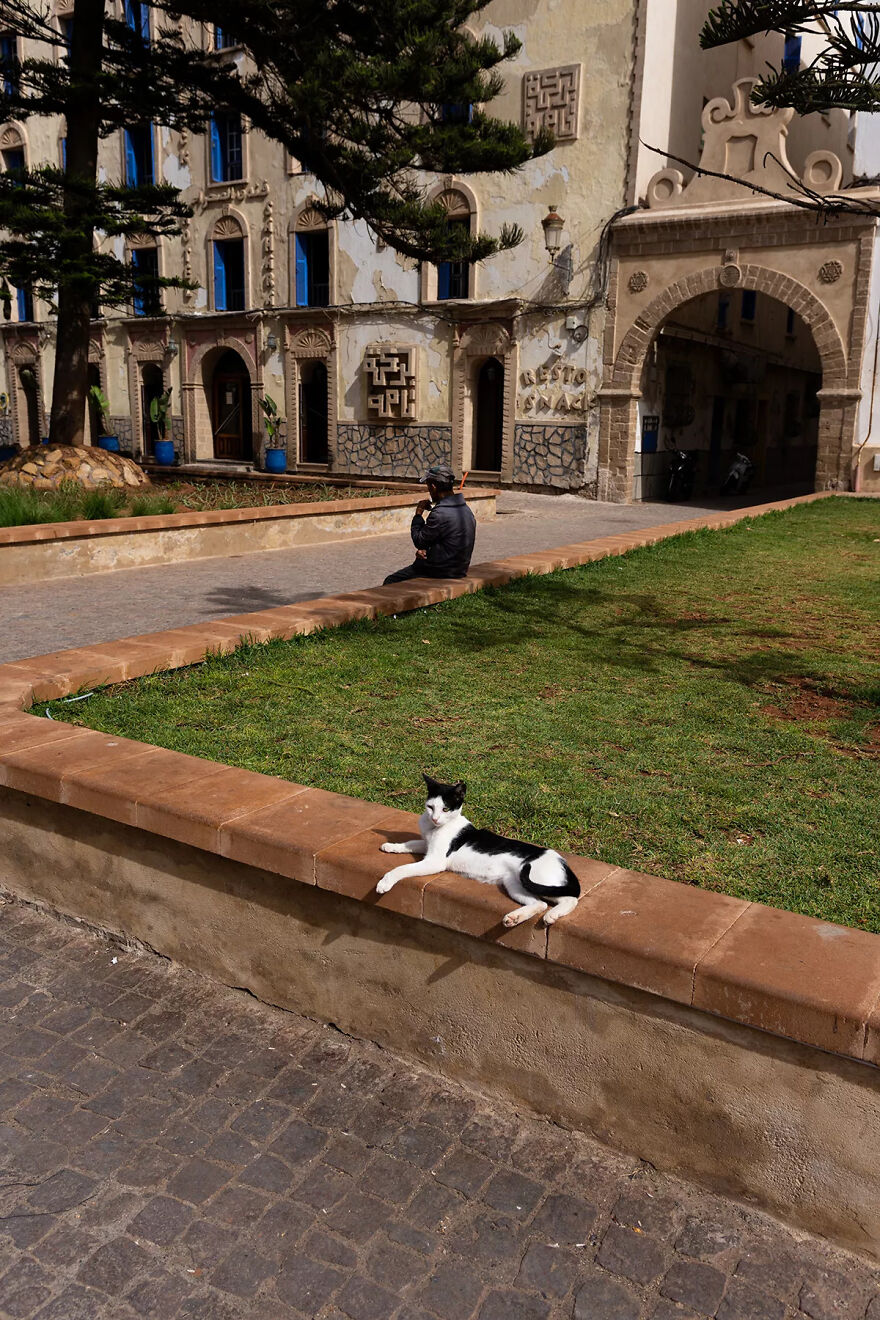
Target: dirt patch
810,702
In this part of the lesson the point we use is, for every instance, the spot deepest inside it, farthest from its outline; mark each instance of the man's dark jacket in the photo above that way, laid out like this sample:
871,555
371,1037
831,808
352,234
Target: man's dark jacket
448,535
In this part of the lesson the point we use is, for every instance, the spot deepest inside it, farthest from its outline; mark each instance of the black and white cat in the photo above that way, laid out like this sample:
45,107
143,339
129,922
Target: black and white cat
532,876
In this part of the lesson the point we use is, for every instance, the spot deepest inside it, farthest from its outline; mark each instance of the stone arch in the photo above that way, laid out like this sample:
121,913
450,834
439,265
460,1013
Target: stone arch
621,388
198,433
473,346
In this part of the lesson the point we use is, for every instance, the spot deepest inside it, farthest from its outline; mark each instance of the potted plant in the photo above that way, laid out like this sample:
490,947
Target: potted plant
275,455
101,408
163,449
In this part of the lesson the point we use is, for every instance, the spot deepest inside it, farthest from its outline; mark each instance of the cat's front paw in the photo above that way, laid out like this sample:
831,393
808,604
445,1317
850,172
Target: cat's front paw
392,847
387,882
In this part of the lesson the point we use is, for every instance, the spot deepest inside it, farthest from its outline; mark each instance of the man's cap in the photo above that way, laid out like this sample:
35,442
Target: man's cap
441,475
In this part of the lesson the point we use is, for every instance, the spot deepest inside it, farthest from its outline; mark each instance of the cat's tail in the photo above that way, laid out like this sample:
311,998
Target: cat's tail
554,879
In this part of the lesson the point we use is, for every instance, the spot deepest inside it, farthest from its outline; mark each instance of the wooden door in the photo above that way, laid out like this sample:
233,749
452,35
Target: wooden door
230,405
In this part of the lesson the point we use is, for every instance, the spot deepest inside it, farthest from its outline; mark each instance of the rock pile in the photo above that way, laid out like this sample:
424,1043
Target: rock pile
46,467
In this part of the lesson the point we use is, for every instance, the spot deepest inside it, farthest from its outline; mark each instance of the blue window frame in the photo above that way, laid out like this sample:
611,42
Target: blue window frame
453,277
227,155
223,40
9,61
229,274
138,155
749,305
145,262
137,16
25,303
791,53
13,159
63,145
313,268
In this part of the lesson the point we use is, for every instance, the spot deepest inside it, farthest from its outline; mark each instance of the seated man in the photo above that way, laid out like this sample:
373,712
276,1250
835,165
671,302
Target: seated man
444,541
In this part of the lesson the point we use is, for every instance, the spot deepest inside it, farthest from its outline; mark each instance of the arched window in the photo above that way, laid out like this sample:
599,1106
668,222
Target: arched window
13,149
311,260
229,266
452,279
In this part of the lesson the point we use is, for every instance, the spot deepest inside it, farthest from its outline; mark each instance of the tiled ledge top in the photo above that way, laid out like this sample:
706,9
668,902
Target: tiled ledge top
69,531
793,976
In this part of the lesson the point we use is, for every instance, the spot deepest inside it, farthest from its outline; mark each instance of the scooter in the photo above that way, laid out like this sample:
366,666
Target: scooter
739,477
681,474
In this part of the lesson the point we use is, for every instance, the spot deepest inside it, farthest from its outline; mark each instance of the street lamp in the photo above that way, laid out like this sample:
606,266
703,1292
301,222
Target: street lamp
553,225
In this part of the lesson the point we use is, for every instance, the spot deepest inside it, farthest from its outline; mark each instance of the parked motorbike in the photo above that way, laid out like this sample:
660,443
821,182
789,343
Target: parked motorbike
681,474
739,477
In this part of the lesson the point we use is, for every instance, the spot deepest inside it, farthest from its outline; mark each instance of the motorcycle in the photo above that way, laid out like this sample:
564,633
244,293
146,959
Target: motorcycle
681,474
739,477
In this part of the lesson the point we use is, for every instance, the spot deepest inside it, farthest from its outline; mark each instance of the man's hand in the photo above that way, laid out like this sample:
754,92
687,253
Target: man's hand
423,506
421,554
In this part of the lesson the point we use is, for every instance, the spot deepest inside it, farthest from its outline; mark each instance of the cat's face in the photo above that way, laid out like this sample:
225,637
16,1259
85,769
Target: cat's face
444,800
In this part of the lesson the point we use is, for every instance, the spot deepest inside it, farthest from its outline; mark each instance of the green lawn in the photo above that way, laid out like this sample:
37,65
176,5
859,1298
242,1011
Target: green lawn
704,709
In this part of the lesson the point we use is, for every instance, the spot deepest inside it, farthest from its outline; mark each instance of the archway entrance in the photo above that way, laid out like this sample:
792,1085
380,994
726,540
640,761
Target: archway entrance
731,372
152,386
488,416
231,411
313,413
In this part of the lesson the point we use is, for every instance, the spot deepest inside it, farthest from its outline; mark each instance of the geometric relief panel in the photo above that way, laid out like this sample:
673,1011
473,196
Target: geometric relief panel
550,100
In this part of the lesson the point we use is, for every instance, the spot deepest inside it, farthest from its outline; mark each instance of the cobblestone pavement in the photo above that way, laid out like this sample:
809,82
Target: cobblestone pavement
172,1148
76,611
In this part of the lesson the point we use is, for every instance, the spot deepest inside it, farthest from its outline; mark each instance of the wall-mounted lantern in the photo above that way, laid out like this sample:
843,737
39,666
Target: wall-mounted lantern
553,225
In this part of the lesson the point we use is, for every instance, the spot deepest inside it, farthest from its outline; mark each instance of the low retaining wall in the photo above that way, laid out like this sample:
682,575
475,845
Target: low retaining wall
55,550
724,1040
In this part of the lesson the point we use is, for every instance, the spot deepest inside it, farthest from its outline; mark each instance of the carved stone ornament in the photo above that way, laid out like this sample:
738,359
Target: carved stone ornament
267,243
830,272
11,138
638,281
730,276
310,343
23,351
551,99
485,341
454,203
390,370
730,258
227,227
747,142
823,171
311,218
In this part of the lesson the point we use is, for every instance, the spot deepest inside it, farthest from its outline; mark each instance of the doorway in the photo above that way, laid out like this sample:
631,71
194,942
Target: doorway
152,387
314,444
231,412
489,417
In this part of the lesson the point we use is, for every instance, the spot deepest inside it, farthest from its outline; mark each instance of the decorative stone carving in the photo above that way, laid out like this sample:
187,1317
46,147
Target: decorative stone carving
730,276
747,142
231,192
551,99
560,388
391,382
187,249
454,203
823,171
183,149
24,351
485,341
311,218
830,272
310,342
227,227
730,258
638,281
267,238
10,138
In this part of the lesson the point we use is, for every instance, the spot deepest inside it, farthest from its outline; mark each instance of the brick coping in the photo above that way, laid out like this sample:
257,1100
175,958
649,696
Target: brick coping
83,529
793,976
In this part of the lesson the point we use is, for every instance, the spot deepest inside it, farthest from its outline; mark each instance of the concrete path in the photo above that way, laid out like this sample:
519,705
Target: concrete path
36,619
173,1149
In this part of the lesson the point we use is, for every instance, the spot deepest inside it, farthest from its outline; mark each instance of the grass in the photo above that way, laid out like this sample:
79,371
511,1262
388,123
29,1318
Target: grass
704,709
20,507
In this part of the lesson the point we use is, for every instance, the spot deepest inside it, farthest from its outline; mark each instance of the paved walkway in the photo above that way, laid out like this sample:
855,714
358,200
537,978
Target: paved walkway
36,619
171,1148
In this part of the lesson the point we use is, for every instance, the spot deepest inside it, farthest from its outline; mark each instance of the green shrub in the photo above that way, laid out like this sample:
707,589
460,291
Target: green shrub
98,504
148,506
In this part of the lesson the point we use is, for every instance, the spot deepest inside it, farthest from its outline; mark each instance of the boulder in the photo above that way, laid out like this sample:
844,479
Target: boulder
46,467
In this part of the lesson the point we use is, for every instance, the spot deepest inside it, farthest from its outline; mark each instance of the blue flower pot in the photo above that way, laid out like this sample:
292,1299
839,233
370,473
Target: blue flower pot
110,442
275,460
163,452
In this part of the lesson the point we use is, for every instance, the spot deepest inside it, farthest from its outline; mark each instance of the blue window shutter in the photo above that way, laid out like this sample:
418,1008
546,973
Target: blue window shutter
791,55
145,22
444,279
131,169
64,153
219,278
216,154
149,167
22,300
302,271
219,39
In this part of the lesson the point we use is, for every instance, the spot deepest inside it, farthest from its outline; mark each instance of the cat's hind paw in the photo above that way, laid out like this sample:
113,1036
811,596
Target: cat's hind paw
392,847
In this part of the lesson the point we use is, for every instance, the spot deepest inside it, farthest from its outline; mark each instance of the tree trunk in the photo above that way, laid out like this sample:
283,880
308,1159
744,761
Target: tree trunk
77,290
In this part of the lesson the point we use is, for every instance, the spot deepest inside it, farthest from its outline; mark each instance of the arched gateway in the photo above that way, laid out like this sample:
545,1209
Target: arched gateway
680,249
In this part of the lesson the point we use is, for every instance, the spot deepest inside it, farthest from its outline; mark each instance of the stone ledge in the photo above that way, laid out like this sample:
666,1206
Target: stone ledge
789,975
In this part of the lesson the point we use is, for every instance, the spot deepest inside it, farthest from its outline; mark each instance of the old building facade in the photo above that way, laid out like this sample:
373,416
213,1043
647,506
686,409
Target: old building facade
705,317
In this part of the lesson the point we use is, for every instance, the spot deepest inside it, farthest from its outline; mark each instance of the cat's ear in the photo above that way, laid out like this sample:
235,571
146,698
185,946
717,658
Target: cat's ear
430,783
460,789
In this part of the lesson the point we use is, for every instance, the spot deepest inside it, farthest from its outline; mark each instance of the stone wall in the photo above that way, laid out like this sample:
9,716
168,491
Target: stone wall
550,455
122,428
391,451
